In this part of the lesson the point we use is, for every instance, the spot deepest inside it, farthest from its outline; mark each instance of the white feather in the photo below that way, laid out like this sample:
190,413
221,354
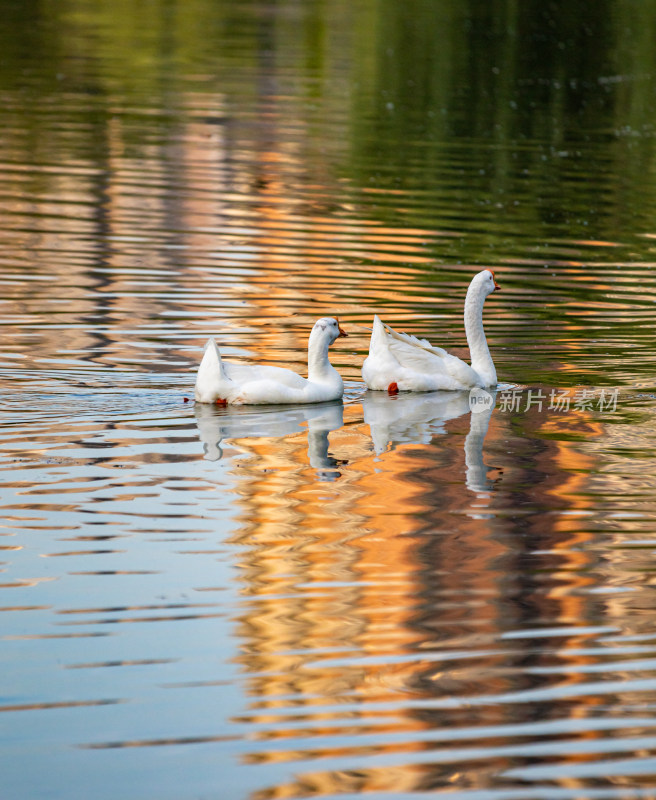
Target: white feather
254,384
413,364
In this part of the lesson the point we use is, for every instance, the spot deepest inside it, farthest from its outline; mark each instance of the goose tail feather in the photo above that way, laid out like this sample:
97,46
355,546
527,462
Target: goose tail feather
212,362
211,378
379,341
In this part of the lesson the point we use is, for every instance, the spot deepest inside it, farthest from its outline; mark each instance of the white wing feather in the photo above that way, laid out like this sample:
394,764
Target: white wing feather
411,362
415,357
408,338
244,374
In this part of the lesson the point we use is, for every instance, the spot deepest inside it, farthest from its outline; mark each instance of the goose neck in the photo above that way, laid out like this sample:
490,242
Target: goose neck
319,366
481,360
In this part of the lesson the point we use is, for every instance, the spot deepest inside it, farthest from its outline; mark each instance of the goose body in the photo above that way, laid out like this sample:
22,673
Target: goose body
226,383
404,363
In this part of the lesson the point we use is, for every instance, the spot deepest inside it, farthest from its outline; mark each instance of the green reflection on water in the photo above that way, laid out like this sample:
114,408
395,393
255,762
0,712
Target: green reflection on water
521,135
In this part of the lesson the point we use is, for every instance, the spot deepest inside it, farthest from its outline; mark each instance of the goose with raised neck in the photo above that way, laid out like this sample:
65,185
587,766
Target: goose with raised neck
400,362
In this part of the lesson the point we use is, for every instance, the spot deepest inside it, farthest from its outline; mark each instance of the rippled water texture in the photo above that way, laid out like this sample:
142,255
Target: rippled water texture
392,597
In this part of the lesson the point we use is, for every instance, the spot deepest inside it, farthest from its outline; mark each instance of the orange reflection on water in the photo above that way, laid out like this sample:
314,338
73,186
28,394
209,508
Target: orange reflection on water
389,579
350,586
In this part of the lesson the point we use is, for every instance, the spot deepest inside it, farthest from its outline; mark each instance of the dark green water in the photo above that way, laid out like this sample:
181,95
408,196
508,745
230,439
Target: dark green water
390,597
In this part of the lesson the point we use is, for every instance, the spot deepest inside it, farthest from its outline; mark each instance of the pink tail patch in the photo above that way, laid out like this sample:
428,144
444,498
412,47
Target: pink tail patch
393,388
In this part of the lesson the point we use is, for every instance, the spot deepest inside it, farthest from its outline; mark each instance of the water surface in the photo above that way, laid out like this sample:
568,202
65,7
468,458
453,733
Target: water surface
389,596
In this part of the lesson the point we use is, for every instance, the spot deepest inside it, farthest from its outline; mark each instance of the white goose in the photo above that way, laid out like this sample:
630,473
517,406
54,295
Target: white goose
398,362
227,383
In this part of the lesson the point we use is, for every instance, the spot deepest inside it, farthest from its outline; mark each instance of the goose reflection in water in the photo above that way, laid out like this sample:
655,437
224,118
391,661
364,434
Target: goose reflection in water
416,419
216,424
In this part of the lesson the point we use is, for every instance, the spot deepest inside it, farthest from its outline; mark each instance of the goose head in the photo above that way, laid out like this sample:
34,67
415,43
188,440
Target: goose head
485,282
327,328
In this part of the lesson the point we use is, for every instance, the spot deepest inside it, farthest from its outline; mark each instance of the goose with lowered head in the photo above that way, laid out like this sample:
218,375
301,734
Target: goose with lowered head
226,383
398,362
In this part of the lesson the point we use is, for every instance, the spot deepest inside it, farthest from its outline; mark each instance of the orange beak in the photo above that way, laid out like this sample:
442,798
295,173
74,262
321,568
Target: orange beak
497,288
342,332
